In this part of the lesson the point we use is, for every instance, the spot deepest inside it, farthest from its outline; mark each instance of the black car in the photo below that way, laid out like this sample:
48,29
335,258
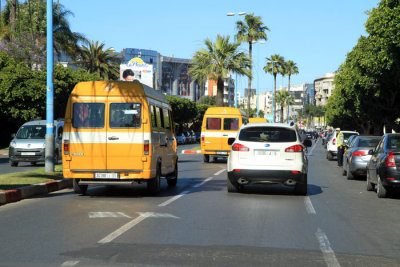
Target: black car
383,169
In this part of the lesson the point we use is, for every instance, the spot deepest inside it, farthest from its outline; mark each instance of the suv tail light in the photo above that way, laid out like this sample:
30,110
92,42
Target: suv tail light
295,148
334,141
390,162
239,147
146,147
359,153
66,147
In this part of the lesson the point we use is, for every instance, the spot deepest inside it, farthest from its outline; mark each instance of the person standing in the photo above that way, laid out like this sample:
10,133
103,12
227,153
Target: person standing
340,147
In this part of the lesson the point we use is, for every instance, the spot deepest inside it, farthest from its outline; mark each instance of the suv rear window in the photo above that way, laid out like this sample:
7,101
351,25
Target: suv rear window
268,134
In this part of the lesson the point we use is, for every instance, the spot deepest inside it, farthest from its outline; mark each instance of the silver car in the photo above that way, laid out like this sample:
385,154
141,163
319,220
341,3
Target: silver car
356,157
28,145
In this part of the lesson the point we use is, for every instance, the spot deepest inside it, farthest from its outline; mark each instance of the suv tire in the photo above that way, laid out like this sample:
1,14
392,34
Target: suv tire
329,156
301,188
232,186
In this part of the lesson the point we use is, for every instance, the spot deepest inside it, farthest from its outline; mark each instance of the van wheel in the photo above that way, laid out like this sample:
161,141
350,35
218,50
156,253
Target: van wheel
206,158
153,185
173,179
13,163
79,189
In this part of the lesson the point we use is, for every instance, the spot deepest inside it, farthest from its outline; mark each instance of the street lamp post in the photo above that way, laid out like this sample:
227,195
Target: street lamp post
273,96
258,89
231,14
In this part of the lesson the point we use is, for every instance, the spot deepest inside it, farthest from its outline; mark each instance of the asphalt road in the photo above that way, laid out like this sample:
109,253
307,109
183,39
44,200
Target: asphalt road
198,223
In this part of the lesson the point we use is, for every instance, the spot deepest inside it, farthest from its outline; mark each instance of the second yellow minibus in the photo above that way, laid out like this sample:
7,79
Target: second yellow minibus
219,124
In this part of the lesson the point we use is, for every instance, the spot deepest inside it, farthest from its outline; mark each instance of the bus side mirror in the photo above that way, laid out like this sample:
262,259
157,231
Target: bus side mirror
231,141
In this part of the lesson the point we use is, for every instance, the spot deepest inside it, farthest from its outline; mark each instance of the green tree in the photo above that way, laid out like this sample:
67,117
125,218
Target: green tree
208,100
96,59
284,98
183,111
250,31
216,61
275,65
198,120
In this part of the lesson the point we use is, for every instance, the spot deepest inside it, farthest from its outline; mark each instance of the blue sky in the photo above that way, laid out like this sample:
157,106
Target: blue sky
316,34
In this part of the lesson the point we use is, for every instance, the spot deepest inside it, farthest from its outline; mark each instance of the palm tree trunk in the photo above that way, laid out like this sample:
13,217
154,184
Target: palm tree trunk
249,83
274,115
220,92
288,107
282,114
13,13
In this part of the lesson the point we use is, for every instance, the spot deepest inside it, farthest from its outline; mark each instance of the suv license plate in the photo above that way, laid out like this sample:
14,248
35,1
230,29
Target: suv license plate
100,175
266,153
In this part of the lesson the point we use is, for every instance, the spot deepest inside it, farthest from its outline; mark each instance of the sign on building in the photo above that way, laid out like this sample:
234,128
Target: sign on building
141,71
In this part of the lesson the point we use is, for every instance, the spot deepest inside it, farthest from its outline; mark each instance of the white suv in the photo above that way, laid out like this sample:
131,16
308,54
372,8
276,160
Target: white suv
267,153
332,145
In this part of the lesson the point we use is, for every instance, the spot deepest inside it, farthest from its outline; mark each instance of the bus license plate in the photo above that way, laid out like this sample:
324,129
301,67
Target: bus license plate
107,175
222,153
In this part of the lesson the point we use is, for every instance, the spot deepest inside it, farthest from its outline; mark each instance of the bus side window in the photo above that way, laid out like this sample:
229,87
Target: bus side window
167,121
160,118
153,116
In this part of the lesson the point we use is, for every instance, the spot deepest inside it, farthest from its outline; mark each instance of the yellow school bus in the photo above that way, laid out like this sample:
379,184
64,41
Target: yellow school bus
118,133
219,124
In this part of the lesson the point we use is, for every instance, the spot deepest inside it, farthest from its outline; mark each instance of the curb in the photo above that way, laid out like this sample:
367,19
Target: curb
191,152
18,194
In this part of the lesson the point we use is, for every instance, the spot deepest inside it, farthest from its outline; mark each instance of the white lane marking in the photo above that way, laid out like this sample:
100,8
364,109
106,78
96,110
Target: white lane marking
70,263
309,206
123,229
157,215
205,181
313,147
165,203
219,172
327,251
106,214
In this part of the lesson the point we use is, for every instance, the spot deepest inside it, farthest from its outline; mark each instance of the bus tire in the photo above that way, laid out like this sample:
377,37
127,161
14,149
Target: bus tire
206,158
79,189
153,185
173,179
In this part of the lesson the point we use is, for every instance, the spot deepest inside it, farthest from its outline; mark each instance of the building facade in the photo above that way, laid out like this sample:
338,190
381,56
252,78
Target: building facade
170,74
323,88
229,90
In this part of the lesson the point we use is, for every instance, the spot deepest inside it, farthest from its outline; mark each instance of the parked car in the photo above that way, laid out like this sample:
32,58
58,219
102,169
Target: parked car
28,145
193,135
382,169
189,139
267,153
332,145
356,157
180,139
198,136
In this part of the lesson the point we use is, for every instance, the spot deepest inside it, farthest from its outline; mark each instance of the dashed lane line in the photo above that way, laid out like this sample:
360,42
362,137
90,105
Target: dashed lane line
205,181
69,263
309,206
327,251
169,201
219,172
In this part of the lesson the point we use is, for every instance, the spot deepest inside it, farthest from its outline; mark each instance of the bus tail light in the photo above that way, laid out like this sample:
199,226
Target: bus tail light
146,147
66,147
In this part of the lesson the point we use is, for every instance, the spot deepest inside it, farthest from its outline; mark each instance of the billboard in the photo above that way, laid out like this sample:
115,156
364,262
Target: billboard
136,69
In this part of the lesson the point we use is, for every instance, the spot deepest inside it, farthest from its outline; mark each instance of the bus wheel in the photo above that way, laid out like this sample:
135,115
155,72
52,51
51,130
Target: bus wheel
153,185
206,158
79,189
173,179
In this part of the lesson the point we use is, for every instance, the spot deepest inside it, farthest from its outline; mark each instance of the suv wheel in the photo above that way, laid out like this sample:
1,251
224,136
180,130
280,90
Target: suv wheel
329,156
301,188
232,186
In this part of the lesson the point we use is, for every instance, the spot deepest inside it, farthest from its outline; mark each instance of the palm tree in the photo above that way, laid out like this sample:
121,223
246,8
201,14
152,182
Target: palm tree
283,98
98,60
216,61
250,31
275,65
290,69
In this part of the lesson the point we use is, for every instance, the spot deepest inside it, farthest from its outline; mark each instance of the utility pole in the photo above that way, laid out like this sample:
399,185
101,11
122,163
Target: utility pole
49,150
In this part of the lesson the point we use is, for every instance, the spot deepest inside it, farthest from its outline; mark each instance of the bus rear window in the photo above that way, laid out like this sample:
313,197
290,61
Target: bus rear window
213,124
231,124
88,115
125,115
